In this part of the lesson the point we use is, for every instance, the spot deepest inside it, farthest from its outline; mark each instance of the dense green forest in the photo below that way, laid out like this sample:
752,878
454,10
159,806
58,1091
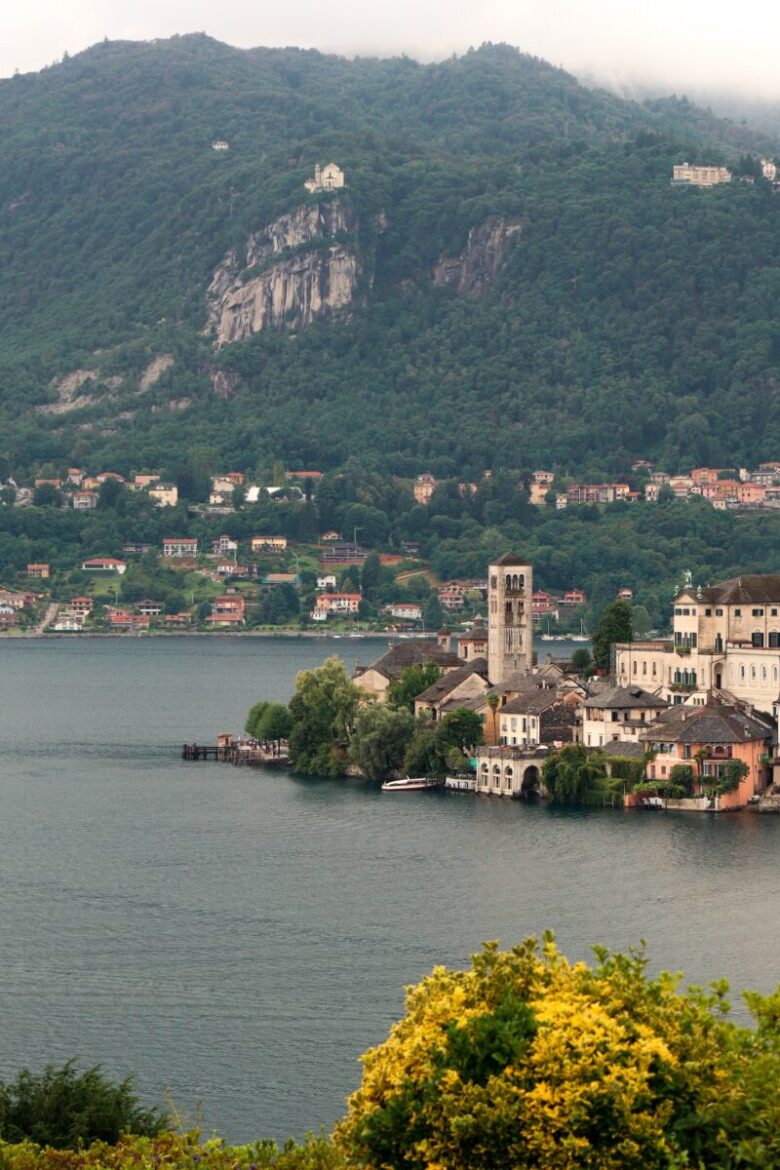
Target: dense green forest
630,319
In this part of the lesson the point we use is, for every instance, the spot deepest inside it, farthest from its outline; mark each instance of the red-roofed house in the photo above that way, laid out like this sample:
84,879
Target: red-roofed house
104,565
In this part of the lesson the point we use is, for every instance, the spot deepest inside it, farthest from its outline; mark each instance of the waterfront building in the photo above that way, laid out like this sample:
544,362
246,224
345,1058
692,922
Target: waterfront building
708,739
726,637
510,771
510,632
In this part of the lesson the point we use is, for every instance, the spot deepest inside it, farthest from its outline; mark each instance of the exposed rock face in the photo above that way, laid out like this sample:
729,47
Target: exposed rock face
154,371
297,271
67,389
478,265
223,382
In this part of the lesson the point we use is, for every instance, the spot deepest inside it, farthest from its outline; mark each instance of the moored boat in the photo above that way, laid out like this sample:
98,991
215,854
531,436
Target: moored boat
410,784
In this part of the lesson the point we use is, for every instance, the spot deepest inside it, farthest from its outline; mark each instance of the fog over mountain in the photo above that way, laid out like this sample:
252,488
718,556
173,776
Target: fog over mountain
679,46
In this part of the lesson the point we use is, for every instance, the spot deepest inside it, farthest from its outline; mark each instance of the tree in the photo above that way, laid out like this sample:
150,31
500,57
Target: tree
581,660
380,739
573,774
323,711
253,718
461,729
615,625
433,614
528,1061
273,723
47,496
63,1108
422,757
413,681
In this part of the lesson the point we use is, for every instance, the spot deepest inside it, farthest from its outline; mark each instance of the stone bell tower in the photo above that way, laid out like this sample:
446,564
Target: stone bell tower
510,620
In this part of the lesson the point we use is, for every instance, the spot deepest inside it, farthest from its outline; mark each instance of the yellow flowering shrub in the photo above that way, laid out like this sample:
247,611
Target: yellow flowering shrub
527,1060
173,1151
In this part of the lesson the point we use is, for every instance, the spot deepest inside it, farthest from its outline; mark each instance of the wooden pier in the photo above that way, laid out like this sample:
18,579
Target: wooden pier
239,752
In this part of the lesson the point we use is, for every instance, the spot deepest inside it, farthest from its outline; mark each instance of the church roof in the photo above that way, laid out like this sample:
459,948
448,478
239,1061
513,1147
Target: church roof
509,558
452,679
414,652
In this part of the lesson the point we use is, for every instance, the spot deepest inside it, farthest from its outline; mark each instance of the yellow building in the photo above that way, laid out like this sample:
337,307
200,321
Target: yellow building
684,174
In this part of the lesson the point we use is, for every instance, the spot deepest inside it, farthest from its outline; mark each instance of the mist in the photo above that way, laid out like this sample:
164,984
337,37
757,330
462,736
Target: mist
669,46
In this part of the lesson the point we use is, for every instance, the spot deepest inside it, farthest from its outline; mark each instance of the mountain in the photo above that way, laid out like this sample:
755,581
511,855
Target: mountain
507,277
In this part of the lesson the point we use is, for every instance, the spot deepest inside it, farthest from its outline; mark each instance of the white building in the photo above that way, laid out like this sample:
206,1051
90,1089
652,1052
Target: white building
327,178
510,618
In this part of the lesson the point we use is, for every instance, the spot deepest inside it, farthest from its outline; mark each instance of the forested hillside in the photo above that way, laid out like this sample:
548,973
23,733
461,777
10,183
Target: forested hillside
623,317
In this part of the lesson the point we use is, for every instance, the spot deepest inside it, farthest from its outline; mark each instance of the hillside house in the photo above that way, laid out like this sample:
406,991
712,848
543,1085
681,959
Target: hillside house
39,570
227,610
165,495
81,605
178,547
104,565
270,544
339,604
424,487
406,611
84,501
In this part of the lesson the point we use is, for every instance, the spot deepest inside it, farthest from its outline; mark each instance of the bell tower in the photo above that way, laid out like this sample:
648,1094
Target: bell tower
510,620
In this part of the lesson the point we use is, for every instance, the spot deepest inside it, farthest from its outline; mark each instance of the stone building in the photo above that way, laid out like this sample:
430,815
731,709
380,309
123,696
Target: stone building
510,628
726,638
327,178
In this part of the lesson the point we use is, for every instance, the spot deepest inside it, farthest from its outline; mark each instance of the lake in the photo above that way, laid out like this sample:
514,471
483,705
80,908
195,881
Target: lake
238,937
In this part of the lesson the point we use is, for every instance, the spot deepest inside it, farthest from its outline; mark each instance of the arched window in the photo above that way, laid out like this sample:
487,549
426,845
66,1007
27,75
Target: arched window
753,672
494,582
508,582
521,579
741,674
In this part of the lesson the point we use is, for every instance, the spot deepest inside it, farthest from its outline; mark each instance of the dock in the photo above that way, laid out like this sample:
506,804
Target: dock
239,752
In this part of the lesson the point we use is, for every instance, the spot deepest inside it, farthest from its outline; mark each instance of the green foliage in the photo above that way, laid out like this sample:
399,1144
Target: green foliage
323,711
274,722
574,774
63,1108
615,625
178,1152
681,776
380,739
413,681
581,660
460,729
256,713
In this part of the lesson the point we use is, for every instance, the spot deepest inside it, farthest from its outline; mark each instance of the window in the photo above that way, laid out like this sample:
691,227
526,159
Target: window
654,666
757,638
737,613
773,612
708,613
635,666
774,638
644,668
741,674
758,613
718,613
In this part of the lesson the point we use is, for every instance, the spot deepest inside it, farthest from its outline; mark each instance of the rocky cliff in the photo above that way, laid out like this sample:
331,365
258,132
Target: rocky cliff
480,262
296,269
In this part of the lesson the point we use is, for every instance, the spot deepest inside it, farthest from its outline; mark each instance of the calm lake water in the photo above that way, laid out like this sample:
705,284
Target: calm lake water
240,937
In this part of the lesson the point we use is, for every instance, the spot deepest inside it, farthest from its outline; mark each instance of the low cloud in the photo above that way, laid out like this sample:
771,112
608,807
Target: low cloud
672,45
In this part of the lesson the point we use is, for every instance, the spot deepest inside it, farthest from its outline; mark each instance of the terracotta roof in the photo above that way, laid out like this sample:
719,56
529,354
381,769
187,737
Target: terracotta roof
624,698
414,652
713,723
750,589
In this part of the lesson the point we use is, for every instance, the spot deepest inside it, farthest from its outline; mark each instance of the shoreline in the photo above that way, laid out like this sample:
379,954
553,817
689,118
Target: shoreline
282,632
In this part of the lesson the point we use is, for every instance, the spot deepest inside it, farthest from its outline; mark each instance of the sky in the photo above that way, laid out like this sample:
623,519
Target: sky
680,46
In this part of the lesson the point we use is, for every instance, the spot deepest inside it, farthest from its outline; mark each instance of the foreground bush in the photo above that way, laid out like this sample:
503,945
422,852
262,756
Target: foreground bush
170,1151
529,1061
64,1108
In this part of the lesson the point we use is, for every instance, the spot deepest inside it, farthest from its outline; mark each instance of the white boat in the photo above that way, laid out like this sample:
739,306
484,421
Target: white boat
461,784
410,784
